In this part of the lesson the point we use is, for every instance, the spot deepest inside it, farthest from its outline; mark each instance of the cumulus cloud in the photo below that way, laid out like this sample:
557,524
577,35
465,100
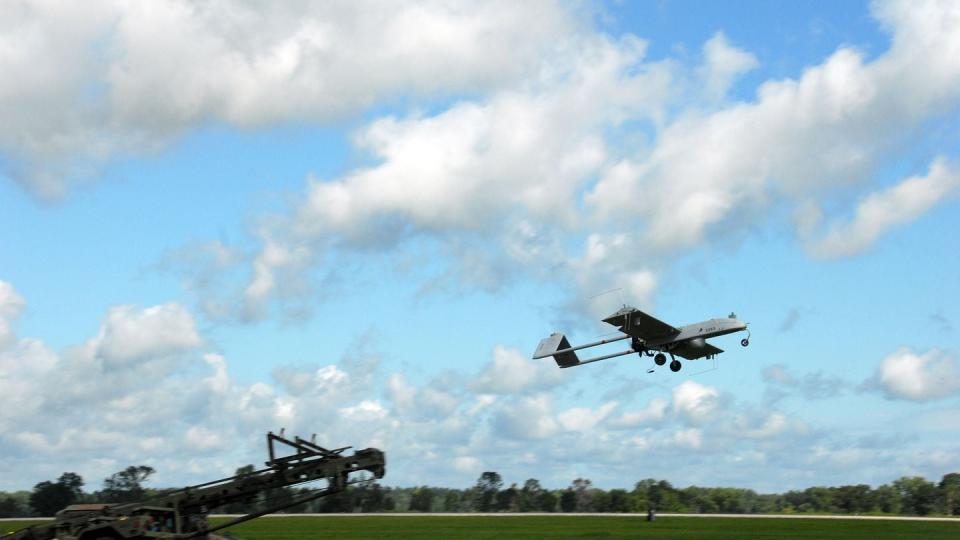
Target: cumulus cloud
886,209
429,403
529,418
488,183
192,419
704,171
121,77
130,333
11,305
908,375
655,411
723,63
511,372
601,145
156,412
764,424
695,402
782,383
584,418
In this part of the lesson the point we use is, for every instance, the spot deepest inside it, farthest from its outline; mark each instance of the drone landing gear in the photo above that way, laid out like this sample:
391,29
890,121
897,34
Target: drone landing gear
745,341
660,359
675,366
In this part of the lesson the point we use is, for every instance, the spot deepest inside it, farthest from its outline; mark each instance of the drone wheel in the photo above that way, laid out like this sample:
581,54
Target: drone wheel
660,359
744,342
675,366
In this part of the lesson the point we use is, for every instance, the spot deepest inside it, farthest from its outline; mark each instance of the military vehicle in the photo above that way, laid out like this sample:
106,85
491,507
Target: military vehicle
182,514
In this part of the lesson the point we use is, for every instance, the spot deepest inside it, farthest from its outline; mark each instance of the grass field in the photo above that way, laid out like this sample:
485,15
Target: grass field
580,527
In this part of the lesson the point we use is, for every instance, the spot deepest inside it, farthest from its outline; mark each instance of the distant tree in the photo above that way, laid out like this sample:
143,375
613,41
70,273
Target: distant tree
528,495
126,485
506,499
615,500
547,501
733,500
949,488
568,500
766,503
10,507
699,500
371,498
887,499
854,499
49,498
422,500
485,491
389,503
451,501
638,497
918,495
661,495
583,488
73,482
817,499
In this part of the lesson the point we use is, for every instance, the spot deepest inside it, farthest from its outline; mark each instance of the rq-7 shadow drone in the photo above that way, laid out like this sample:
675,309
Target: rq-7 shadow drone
648,336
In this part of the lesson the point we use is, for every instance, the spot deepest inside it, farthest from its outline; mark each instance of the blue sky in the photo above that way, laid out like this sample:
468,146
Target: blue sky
222,220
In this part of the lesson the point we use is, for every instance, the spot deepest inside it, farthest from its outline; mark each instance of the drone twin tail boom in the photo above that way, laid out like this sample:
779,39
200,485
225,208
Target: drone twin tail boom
648,336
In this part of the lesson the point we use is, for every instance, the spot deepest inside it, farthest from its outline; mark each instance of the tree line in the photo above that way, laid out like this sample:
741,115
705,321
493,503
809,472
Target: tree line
909,495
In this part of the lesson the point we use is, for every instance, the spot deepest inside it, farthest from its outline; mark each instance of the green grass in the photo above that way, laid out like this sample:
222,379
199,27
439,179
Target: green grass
583,527
579,527
7,526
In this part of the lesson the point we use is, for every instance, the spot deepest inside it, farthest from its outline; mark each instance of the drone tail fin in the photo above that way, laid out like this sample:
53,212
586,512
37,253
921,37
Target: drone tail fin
557,342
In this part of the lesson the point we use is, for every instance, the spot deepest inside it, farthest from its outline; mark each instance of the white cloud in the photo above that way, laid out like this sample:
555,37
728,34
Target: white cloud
11,305
22,366
467,464
200,439
529,418
121,77
905,374
886,209
420,403
511,372
690,438
497,185
490,182
655,411
102,420
704,170
130,333
723,63
695,402
585,418
774,424
366,410
811,386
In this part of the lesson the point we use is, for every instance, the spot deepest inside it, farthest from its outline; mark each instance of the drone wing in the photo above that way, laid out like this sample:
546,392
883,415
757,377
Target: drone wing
638,324
692,351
